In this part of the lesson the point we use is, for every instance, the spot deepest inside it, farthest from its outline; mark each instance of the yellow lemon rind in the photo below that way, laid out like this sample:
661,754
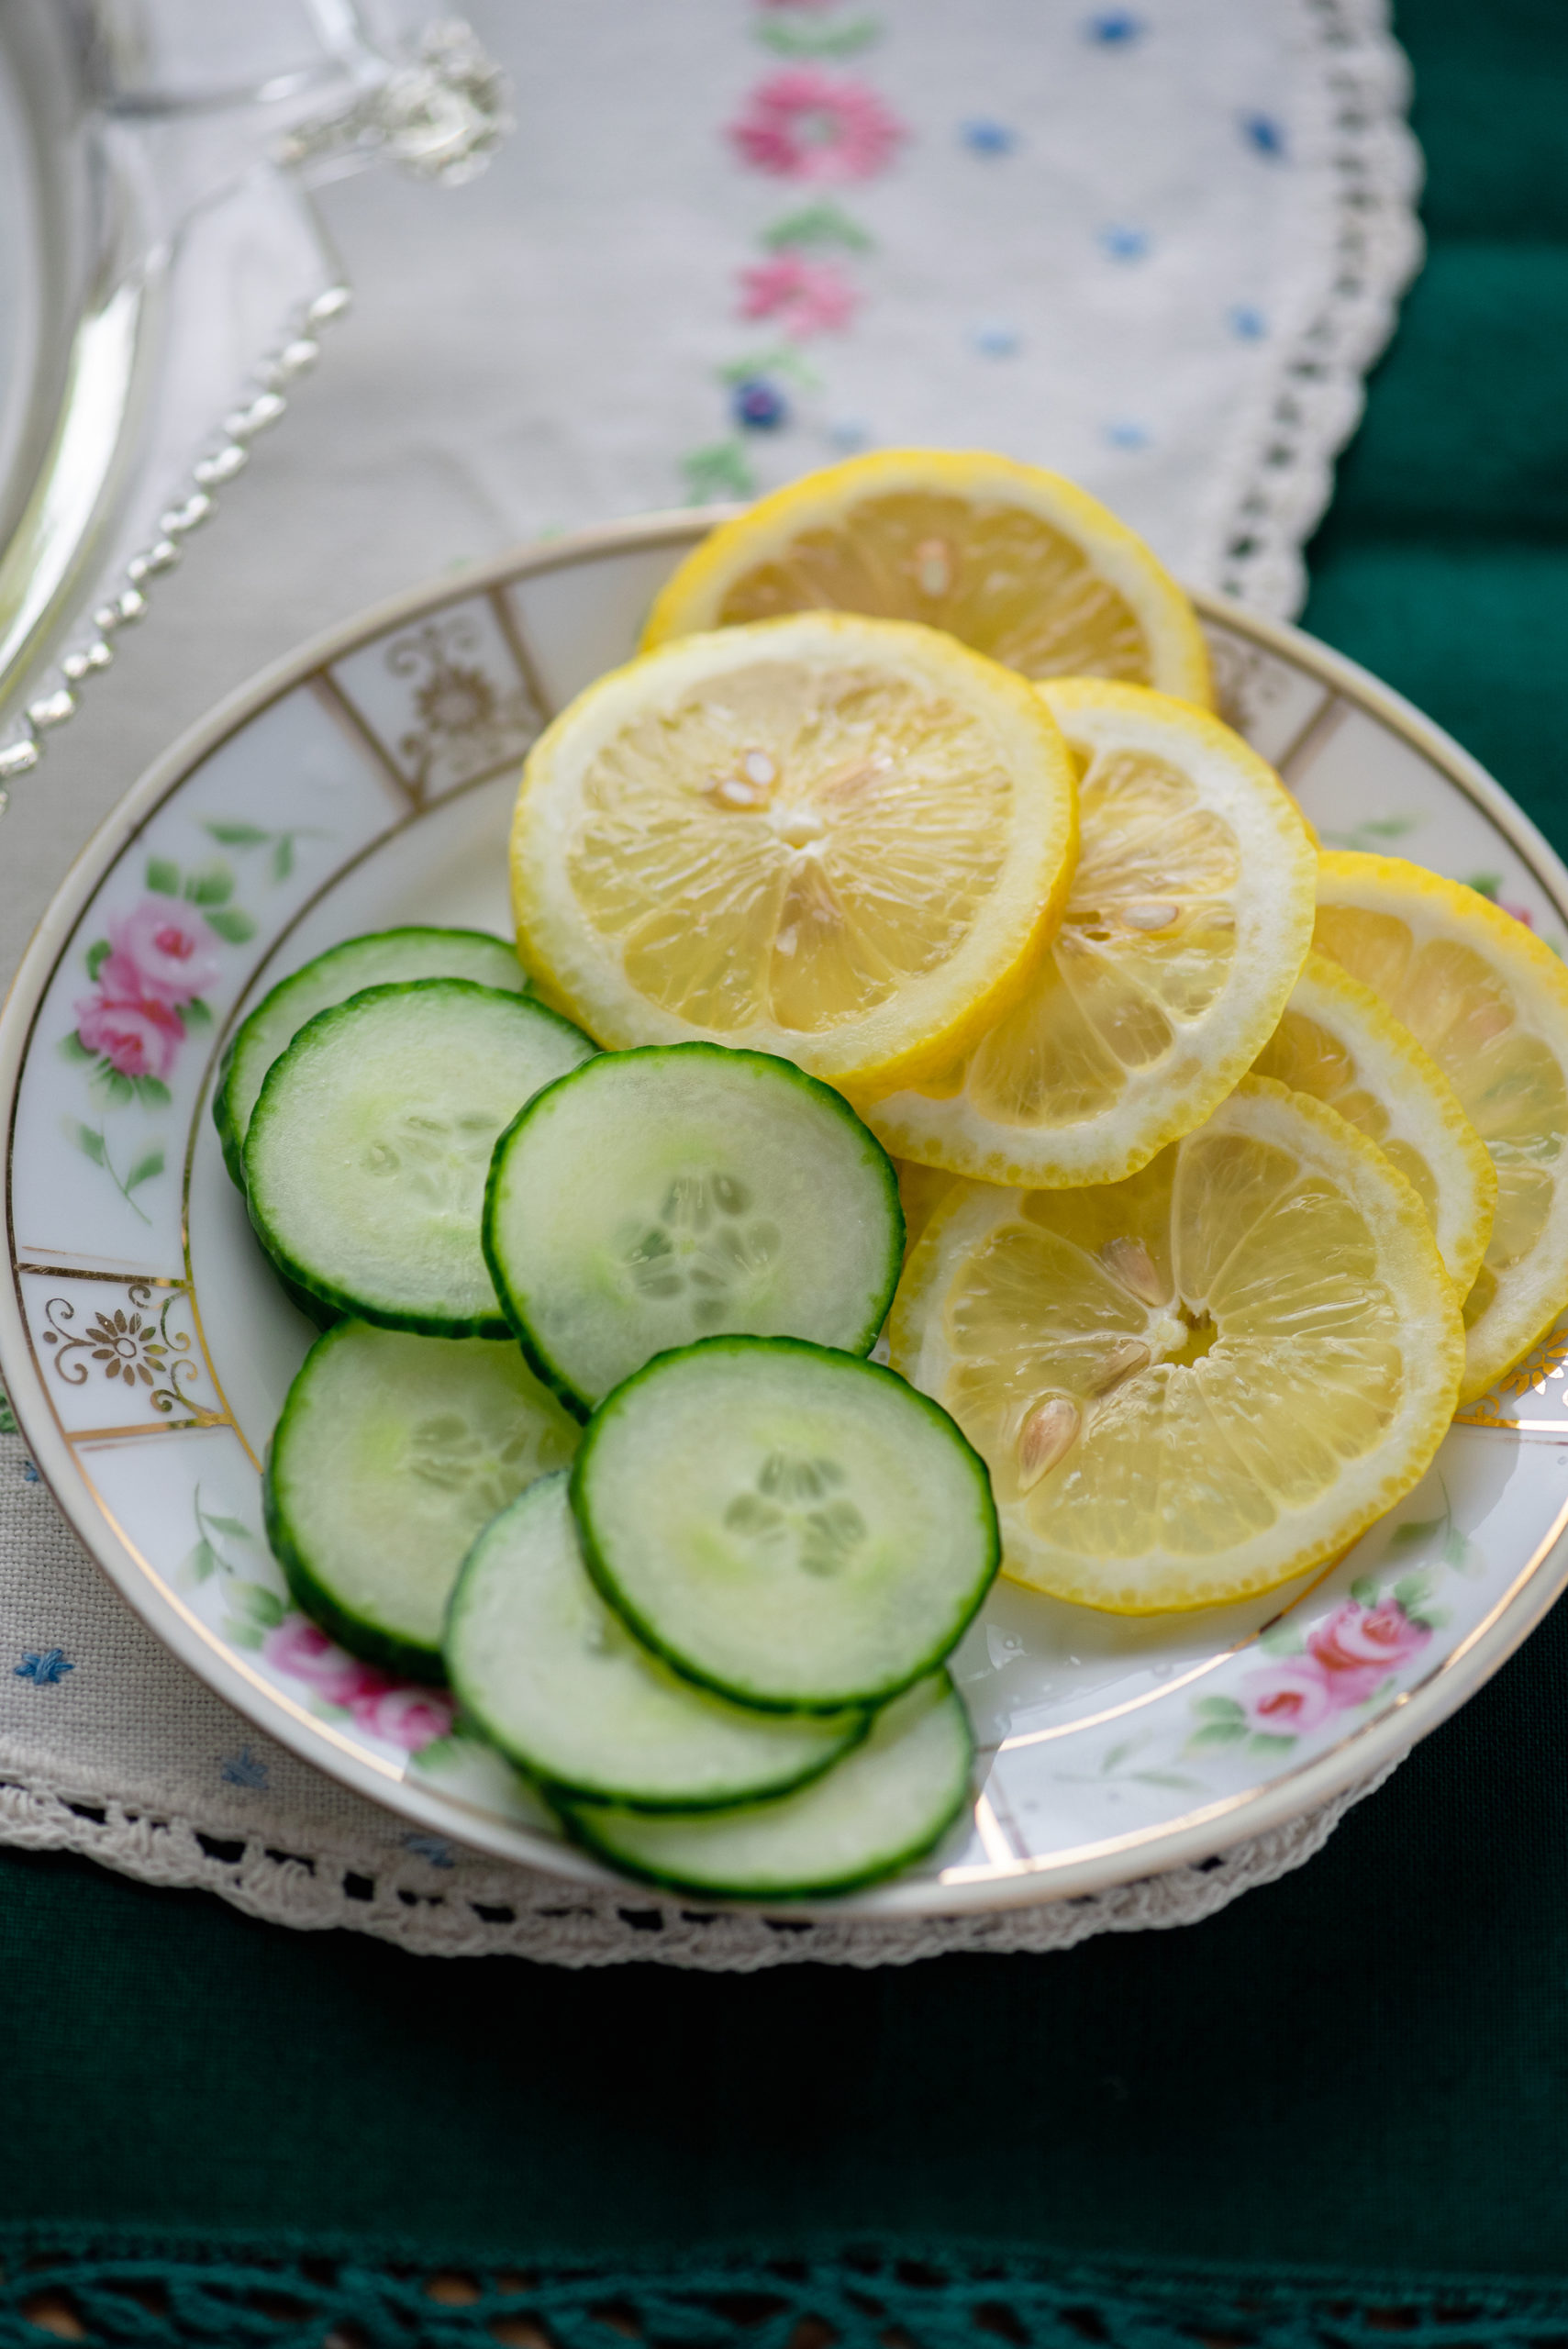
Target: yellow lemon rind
691,598
1497,1339
1422,1108
1434,1356
944,1128
931,1018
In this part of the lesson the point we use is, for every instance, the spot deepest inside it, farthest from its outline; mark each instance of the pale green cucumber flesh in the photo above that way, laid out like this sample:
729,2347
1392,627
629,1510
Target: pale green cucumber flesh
885,1805
382,958
785,1524
392,1454
544,1670
368,1152
676,1192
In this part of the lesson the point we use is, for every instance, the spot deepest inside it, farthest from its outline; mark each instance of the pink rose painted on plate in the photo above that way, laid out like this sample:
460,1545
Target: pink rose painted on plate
138,1038
401,1712
1342,1662
164,951
1357,1647
822,127
1285,1700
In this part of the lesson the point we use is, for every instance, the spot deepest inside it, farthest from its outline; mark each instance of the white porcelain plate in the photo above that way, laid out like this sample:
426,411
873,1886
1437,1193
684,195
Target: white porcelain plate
147,1348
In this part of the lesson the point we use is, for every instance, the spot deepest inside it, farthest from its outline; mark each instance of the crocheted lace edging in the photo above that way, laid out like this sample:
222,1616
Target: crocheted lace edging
466,1907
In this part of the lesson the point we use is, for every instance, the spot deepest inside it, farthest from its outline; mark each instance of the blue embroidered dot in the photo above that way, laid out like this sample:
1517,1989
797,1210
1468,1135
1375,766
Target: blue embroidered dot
1126,244
29,1474
243,1769
759,406
994,339
1117,28
1263,133
43,1670
1249,324
848,434
984,137
1125,434
433,1848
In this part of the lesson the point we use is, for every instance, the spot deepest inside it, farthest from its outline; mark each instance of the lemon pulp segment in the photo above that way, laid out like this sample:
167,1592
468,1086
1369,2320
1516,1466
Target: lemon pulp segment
1186,921
1338,1041
1489,1003
1011,559
838,839
1194,1384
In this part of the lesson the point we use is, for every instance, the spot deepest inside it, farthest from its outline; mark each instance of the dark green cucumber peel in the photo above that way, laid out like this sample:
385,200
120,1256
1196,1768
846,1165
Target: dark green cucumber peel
636,1620
879,1166
335,1302
586,1824
422,942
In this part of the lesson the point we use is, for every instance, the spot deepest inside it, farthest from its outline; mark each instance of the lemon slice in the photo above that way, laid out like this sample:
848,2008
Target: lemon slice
1194,1384
1338,1041
837,839
1489,1002
1187,923
1012,560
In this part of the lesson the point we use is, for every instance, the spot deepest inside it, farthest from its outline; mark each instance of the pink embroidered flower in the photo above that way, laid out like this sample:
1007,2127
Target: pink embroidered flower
137,1038
805,124
411,1718
164,951
1287,1700
302,1648
805,297
1359,1646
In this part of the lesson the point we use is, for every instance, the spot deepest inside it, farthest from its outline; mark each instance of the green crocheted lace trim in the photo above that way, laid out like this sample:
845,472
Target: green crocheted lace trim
856,2298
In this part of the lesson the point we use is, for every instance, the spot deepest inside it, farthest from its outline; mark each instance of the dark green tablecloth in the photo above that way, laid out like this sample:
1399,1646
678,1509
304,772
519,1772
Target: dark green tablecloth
1361,2073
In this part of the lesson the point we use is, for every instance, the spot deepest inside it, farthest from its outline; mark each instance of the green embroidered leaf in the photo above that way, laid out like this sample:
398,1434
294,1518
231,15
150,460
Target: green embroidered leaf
781,359
212,885
717,472
72,1048
817,225
144,1170
243,1635
1365,1590
789,40
87,1139
1219,1709
197,1014
98,955
233,925
202,1563
1217,1733
237,835
1281,1639
7,1417
261,1605
163,876
1264,1742
151,1092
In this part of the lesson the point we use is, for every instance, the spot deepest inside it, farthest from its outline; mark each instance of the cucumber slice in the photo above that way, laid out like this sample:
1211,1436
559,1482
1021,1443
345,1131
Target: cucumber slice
367,1155
789,1525
885,1805
391,1455
381,959
548,1674
664,1194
